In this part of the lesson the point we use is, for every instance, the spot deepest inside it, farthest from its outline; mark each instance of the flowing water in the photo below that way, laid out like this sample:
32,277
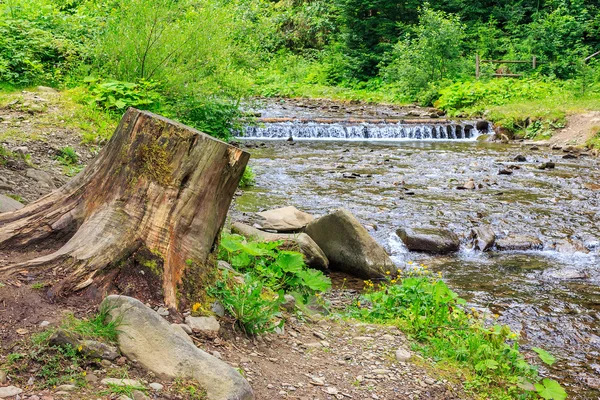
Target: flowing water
550,296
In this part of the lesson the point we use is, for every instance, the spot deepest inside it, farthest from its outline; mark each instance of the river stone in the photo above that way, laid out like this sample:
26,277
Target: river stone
313,255
90,348
121,382
7,204
483,237
519,242
206,325
569,246
403,354
148,338
9,391
285,219
429,240
41,176
349,247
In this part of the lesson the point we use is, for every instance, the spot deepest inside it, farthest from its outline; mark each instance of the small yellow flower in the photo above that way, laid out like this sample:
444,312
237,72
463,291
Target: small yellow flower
358,303
196,307
80,348
387,272
410,263
496,316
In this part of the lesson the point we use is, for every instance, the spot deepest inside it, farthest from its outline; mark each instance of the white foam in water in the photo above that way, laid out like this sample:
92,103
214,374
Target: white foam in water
365,131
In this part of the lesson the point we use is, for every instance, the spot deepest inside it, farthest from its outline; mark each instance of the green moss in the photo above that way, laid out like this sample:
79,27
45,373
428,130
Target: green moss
155,162
594,141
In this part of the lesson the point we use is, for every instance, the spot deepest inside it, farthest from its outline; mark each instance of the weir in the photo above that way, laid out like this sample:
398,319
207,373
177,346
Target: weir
354,129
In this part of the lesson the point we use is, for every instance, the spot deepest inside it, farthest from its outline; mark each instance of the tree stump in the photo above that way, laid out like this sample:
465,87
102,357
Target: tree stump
157,185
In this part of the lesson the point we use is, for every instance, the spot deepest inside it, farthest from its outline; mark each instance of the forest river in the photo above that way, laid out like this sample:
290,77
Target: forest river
551,295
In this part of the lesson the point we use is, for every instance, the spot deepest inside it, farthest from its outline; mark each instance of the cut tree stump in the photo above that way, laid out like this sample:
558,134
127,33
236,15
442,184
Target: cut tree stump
157,186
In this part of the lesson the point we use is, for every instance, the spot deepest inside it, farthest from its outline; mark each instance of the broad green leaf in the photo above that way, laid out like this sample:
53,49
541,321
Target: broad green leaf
290,261
315,280
241,260
486,364
120,104
230,244
551,390
255,249
546,357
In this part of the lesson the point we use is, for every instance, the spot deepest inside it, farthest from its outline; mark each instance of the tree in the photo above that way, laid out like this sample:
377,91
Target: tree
157,187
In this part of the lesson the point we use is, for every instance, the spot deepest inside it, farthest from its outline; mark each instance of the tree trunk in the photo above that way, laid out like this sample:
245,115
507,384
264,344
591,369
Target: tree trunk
157,185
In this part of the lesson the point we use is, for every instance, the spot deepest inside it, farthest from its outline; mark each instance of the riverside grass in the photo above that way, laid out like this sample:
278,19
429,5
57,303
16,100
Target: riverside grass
485,355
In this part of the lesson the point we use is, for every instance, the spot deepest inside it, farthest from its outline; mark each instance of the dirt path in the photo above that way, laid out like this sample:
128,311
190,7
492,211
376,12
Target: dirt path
580,128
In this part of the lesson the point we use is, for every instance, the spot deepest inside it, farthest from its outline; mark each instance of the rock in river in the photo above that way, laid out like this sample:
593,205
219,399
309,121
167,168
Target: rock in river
430,240
348,245
313,255
285,219
483,237
519,242
148,338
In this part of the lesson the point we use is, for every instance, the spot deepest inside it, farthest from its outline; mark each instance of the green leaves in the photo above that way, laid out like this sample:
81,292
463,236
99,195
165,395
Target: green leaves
116,96
278,269
486,364
544,356
551,390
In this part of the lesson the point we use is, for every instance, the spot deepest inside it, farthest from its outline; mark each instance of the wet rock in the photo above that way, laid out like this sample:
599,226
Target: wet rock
148,338
519,242
505,171
348,245
482,126
205,325
285,219
520,158
569,246
468,185
9,391
483,237
8,204
314,256
429,240
547,165
570,156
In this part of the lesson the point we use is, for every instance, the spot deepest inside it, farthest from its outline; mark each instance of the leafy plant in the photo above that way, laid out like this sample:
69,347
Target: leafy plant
422,305
67,156
189,389
116,96
550,389
544,356
254,306
278,269
248,178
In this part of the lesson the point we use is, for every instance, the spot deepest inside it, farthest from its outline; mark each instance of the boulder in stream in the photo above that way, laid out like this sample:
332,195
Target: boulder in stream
519,242
313,255
483,237
349,247
285,219
429,240
145,336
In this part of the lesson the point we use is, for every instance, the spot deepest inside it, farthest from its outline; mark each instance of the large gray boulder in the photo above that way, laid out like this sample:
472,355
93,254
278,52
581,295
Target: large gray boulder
285,219
158,347
429,240
7,204
483,237
313,255
349,247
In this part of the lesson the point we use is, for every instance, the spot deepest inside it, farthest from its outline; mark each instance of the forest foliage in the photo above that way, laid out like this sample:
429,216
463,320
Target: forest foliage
197,61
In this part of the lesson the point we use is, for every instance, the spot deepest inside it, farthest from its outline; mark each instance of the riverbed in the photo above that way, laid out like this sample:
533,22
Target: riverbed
551,296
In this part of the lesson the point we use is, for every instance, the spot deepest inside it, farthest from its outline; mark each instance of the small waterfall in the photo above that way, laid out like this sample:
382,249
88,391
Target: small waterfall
349,130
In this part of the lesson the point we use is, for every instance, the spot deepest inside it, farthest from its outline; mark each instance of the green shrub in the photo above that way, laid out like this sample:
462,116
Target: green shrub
254,306
278,269
116,97
67,156
248,178
424,307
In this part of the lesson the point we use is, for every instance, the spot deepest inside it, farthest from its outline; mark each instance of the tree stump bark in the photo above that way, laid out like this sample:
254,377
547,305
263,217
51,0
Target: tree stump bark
157,185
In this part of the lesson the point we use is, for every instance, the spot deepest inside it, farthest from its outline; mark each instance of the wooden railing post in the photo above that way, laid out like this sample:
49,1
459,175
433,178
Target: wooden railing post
477,71
534,62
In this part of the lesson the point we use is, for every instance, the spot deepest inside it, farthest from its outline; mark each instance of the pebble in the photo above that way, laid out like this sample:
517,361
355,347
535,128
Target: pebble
9,391
402,354
156,386
44,324
3,378
66,388
162,311
429,381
